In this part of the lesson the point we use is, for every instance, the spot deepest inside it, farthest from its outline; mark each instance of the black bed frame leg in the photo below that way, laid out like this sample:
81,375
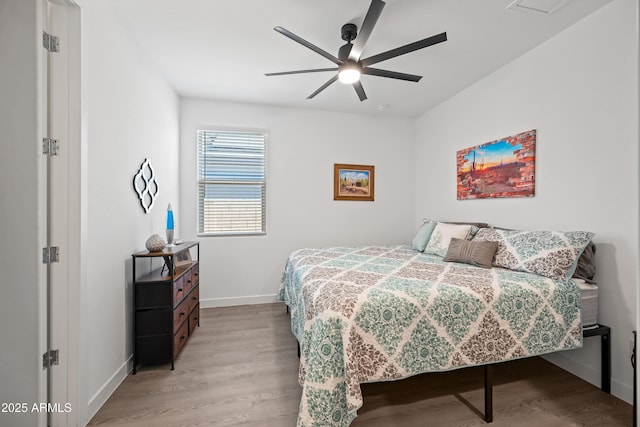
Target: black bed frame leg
634,363
605,353
605,342
488,393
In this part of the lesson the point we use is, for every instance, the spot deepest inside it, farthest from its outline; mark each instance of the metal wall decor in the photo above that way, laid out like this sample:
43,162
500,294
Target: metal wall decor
145,185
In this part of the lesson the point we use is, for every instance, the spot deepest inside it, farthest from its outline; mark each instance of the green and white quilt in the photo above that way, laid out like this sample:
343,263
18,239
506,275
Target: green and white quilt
371,314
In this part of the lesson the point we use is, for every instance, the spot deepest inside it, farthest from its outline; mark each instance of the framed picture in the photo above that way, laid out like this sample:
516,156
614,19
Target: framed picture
501,168
353,182
182,258
178,260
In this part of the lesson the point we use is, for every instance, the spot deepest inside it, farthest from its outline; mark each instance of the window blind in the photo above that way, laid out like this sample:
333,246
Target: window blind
231,182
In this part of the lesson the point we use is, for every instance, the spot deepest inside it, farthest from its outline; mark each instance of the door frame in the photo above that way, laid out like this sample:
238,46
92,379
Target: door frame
62,111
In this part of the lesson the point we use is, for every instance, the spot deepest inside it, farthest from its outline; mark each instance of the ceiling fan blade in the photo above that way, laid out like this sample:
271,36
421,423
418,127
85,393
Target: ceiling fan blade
391,74
306,44
324,86
375,9
360,90
315,70
420,44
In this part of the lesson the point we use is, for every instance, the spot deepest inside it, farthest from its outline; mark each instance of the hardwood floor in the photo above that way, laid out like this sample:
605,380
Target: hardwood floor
240,369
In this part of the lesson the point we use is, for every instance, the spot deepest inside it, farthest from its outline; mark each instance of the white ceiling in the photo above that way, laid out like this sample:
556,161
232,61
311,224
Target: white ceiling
220,49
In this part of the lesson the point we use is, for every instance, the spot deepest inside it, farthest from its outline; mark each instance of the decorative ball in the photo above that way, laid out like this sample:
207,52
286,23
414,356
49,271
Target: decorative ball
155,243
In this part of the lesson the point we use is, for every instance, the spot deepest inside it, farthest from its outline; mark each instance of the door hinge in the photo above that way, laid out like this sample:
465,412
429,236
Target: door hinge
50,146
51,43
50,358
50,254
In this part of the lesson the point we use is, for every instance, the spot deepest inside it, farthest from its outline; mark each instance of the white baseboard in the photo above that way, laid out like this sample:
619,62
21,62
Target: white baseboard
228,302
99,399
590,375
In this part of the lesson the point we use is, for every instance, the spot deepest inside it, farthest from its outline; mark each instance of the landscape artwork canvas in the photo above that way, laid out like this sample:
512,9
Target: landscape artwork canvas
497,169
353,182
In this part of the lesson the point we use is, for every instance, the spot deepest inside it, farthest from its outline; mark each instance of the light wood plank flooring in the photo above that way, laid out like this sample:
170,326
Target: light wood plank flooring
240,369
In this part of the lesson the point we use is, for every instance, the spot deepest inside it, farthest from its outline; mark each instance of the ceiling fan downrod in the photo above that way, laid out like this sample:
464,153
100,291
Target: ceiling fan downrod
348,32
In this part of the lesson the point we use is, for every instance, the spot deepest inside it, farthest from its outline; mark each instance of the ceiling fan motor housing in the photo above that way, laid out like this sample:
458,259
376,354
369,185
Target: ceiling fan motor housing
349,32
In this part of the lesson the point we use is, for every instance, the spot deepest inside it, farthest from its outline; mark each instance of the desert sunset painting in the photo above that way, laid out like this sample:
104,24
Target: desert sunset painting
497,169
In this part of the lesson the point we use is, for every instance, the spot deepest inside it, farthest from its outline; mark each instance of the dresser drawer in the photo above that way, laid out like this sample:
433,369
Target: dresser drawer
180,313
186,277
152,294
178,290
194,319
154,322
180,338
194,298
195,274
155,349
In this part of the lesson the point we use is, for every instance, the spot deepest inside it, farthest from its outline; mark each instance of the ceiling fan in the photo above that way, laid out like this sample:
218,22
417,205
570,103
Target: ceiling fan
349,65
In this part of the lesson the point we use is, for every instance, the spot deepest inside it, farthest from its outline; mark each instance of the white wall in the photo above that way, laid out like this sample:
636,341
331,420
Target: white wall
20,197
131,114
302,147
580,91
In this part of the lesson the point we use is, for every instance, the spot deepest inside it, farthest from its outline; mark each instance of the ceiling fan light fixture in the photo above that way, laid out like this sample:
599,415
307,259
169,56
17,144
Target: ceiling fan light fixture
349,64
349,74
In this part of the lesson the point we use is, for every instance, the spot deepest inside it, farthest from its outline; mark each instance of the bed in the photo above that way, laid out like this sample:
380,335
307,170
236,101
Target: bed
382,313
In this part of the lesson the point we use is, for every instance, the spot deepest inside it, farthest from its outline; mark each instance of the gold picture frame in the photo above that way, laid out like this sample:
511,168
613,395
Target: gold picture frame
353,182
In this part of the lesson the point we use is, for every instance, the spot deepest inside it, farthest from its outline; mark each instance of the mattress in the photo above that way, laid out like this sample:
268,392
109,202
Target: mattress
589,308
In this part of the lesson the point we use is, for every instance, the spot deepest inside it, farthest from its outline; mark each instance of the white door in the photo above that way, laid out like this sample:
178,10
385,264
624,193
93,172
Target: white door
61,90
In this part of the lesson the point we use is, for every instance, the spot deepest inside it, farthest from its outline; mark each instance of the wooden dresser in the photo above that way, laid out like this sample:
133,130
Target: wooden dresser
166,302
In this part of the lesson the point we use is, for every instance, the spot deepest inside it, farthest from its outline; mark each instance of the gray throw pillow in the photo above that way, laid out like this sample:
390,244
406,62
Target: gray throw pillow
471,252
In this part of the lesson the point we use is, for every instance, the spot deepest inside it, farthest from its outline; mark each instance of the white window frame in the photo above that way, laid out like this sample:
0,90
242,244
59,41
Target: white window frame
234,173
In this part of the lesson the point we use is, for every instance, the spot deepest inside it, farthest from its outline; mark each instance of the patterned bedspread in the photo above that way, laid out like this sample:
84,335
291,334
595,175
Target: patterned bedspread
370,314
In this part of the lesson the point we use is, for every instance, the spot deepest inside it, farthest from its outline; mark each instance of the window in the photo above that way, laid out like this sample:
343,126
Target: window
231,182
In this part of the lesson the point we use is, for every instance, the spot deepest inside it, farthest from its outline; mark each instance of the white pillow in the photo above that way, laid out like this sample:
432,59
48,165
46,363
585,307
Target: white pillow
441,237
